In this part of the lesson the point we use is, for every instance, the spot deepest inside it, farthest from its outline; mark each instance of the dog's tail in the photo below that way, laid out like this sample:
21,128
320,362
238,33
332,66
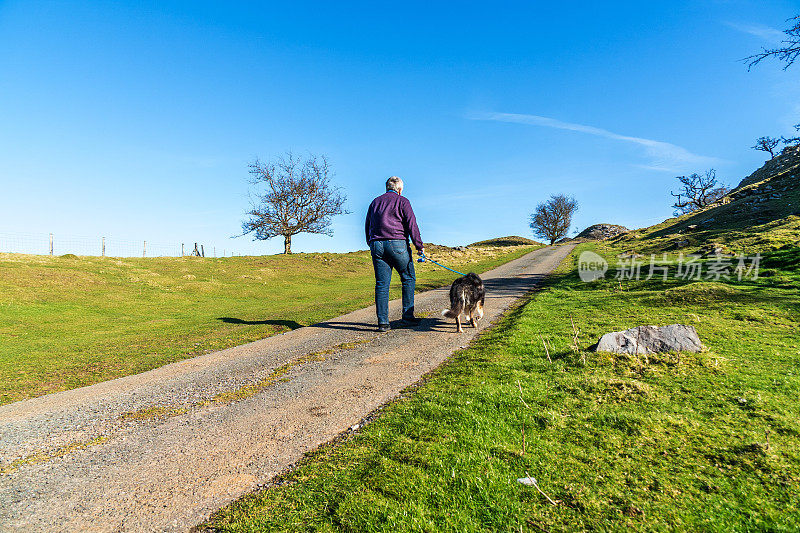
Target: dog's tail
457,305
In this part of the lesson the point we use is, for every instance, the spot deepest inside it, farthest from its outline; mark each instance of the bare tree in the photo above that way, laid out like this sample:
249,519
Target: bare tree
552,218
698,192
299,198
766,144
792,141
788,51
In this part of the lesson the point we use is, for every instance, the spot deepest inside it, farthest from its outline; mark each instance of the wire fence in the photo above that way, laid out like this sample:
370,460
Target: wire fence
57,244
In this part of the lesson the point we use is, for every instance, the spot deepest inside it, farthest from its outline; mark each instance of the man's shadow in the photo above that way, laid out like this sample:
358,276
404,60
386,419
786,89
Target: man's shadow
290,324
427,324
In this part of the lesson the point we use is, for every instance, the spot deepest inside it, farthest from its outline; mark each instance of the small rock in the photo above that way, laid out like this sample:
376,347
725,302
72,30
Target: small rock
651,339
530,481
713,249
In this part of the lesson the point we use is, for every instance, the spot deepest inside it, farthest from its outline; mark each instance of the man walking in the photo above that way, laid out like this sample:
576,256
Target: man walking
390,222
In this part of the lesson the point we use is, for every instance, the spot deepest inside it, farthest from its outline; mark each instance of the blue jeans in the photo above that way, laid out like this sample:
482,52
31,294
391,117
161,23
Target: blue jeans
387,255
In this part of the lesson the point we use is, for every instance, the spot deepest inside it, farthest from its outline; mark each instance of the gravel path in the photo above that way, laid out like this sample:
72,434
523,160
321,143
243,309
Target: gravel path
161,450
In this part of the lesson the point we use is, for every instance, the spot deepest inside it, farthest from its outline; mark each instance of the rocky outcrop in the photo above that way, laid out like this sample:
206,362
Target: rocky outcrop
601,232
651,339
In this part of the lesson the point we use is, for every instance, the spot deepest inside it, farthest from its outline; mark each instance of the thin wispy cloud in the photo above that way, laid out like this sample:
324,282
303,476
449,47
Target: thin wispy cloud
664,156
770,35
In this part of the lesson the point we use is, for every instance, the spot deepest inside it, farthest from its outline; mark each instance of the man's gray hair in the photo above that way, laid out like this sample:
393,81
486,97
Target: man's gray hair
394,184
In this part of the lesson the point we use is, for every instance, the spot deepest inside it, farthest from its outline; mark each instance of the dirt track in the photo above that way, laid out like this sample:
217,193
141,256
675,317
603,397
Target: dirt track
161,450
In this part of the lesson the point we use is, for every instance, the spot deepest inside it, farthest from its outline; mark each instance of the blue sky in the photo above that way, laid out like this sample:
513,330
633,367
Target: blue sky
137,120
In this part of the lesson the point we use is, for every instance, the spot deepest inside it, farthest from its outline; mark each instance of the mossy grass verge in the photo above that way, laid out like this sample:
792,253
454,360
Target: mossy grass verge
669,442
243,391
71,321
44,456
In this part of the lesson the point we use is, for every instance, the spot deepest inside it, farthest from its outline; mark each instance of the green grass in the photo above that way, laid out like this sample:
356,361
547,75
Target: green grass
672,442
71,321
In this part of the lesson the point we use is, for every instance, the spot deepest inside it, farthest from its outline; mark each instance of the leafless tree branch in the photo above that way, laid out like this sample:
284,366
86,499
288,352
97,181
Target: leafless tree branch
788,51
296,197
698,192
766,144
792,141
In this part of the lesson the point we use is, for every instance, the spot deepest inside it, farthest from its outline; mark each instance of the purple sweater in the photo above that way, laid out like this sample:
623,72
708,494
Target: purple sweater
390,217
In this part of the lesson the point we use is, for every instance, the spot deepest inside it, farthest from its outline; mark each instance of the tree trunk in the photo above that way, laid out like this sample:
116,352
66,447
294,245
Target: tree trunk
287,244
552,241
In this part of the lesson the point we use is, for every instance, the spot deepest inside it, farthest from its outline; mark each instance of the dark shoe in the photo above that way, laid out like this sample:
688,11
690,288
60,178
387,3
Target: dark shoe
413,321
383,328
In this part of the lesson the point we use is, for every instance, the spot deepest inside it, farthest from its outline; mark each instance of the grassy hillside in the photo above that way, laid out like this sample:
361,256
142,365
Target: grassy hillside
511,240
72,321
762,214
671,442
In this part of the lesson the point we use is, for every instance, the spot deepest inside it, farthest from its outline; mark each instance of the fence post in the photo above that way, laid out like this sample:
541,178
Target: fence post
104,247
215,251
144,249
181,249
202,251
51,244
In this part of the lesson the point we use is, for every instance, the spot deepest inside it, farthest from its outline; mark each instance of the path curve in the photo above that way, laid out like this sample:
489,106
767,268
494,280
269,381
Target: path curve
162,450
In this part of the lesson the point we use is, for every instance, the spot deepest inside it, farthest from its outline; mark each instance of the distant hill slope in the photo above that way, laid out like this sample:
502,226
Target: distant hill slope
762,213
512,240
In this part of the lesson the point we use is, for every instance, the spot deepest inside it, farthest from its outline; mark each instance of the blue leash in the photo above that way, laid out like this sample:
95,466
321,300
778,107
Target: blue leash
422,259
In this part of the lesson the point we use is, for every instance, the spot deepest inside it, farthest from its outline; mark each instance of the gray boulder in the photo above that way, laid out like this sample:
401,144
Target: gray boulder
651,339
600,232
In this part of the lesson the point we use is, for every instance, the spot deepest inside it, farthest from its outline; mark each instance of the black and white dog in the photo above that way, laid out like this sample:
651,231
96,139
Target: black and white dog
466,296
